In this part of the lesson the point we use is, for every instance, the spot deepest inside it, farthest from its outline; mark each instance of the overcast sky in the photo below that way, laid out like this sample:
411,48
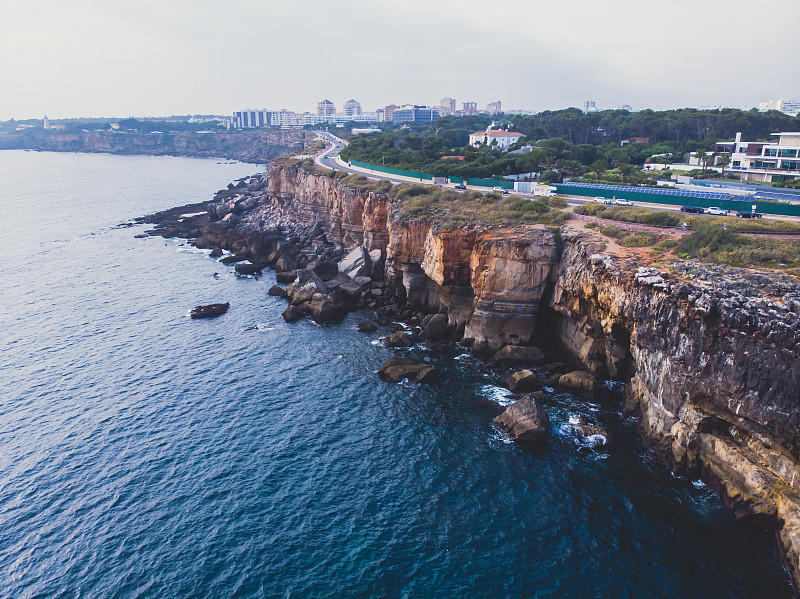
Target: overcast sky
75,58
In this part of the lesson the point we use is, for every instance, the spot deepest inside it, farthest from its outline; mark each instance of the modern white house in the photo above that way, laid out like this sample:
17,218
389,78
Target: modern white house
500,139
767,162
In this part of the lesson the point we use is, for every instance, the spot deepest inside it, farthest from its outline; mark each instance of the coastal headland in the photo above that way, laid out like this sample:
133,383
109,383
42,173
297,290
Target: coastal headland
710,355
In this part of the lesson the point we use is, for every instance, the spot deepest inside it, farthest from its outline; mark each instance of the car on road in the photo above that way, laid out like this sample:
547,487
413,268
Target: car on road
717,211
693,209
622,202
749,214
601,200
498,189
459,186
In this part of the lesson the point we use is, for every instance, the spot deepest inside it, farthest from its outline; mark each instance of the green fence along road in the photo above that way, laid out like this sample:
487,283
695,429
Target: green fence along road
392,171
633,195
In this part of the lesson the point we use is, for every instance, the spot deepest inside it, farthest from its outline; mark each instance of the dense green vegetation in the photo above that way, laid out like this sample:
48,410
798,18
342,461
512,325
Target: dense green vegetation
565,142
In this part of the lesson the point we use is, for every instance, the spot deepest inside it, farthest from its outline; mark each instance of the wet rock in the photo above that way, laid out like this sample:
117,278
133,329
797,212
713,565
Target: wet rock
366,327
398,339
579,380
232,259
399,368
525,421
277,291
286,277
591,432
518,354
323,308
523,380
216,252
247,269
209,310
556,367
292,313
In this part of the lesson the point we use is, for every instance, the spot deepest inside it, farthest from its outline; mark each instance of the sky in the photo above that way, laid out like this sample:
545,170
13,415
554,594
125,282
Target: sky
119,58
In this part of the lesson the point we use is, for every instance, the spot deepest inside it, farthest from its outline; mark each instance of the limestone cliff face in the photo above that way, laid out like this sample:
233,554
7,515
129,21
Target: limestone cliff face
712,369
713,375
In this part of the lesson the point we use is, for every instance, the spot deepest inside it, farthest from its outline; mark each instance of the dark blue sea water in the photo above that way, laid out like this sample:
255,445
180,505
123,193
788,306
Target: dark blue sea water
143,454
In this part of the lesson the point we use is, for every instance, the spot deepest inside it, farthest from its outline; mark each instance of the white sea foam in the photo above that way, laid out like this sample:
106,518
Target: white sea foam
497,394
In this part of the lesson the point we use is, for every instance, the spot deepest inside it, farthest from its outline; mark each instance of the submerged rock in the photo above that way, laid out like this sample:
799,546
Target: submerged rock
398,339
523,380
588,431
399,368
209,310
247,269
525,421
366,327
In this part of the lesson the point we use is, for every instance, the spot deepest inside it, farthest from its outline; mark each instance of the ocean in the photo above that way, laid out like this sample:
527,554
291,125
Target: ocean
147,455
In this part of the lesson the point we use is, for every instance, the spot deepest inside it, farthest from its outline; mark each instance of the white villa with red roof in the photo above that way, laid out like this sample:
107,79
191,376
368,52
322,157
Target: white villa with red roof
504,139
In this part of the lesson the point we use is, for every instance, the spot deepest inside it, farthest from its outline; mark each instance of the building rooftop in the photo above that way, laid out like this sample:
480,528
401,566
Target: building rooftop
495,133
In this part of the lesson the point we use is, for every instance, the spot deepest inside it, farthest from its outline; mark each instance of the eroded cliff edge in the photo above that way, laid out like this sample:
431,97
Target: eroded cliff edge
710,357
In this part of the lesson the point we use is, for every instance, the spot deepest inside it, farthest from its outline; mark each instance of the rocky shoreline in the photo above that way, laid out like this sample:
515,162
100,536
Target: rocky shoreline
710,356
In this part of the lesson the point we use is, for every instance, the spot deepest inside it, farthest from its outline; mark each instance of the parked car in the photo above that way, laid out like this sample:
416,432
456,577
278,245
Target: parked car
693,209
601,200
621,202
749,215
459,186
498,189
717,211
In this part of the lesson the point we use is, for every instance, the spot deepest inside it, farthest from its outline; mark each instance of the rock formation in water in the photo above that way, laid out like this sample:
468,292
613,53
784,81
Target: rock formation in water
711,356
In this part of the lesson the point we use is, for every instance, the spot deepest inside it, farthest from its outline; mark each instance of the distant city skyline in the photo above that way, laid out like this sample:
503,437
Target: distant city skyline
89,58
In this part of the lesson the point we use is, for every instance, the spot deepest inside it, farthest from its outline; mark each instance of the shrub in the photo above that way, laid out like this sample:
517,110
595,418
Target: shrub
613,231
639,239
557,202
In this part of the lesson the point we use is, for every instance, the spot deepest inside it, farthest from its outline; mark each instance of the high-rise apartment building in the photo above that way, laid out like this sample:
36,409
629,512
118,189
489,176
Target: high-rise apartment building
326,108
352,108
447,105
494,107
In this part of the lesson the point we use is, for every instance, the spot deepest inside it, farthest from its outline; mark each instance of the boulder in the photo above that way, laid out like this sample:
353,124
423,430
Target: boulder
323,308
525,421
350,288
292,313
277,291
286,277
518,354
579,380
356,264
247,269
378,264
286,262
435,327
399,368
398,339
523,380
366,327
304,287
209,310
325,270
232,259
216,252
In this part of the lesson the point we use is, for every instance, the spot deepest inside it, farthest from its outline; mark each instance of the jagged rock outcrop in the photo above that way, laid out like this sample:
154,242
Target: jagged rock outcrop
525,421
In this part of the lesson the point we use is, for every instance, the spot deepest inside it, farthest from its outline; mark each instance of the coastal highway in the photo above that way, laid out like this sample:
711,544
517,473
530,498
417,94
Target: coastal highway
329,158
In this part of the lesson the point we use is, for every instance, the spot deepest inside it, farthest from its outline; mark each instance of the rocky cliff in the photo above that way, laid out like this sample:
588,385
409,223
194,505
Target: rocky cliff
246,146
710,357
